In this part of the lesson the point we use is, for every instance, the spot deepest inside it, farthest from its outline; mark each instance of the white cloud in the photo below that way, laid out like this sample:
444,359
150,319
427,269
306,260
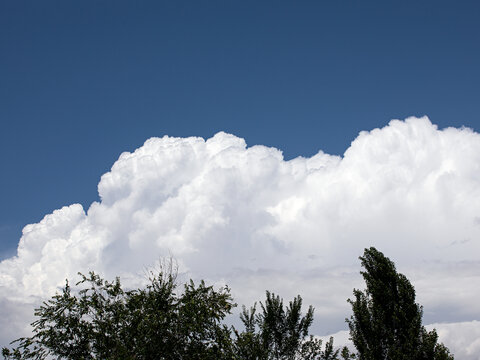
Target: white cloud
463,338
244,216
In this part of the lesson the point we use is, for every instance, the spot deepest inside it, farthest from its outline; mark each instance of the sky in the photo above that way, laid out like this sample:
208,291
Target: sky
314,85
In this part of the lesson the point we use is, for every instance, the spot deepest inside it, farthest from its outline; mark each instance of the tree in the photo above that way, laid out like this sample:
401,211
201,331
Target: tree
103,321
280,333
387,322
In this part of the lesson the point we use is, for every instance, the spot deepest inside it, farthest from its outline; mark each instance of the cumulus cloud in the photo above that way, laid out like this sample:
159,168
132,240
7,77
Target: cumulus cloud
246,217
463,337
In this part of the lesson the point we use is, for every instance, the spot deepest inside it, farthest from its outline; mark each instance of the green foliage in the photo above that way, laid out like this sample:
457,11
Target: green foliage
386,322
159,321
279,332
103,321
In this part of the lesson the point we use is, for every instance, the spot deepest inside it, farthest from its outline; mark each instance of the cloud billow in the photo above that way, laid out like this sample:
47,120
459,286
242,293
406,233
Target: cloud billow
246,217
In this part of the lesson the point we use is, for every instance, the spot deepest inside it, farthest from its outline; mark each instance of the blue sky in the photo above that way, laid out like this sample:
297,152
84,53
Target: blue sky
81,82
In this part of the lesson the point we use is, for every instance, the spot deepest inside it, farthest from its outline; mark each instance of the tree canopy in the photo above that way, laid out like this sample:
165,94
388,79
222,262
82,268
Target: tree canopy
103,321
387,322
279,332
99,319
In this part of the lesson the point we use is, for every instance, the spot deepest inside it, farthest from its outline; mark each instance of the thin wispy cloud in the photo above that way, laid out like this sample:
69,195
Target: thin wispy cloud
244,216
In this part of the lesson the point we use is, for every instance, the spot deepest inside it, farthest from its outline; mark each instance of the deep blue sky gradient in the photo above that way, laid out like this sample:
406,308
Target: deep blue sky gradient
81,82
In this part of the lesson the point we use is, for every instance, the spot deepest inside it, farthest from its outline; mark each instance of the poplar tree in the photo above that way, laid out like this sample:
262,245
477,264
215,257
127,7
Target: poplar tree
387,322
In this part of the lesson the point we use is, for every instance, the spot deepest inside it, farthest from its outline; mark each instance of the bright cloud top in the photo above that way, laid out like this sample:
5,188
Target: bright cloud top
245,216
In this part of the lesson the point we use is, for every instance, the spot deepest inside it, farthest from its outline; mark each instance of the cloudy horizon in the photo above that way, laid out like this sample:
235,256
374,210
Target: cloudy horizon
244,216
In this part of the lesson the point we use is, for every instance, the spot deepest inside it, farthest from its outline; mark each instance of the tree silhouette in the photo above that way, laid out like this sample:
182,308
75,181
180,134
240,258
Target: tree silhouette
387,322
